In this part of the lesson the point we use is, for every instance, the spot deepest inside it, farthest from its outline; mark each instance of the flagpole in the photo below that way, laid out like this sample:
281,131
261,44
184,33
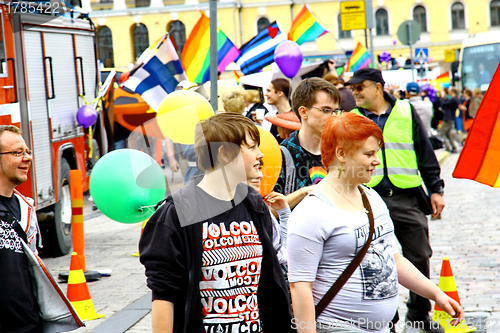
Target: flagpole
213,55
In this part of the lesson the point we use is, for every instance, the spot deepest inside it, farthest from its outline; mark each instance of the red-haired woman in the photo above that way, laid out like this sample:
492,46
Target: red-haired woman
330,226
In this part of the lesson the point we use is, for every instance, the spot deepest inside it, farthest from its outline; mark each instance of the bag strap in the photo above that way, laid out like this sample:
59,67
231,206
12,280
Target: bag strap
346,274
289,171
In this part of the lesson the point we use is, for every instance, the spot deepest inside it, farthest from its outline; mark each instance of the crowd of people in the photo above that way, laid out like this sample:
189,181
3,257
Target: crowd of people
219,257
447,116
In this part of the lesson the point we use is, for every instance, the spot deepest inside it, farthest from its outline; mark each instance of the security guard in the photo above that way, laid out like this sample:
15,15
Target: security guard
407,160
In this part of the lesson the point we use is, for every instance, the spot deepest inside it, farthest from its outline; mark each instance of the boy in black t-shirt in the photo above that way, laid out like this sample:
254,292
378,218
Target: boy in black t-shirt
208,251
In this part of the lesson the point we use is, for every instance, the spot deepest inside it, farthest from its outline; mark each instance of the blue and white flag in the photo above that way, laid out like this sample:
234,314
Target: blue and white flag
259,51
159,72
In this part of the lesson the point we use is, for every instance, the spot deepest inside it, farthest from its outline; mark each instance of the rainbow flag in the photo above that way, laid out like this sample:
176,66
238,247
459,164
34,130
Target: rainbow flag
360,58
305,28
237,77
480,157
442,80
317,174
196,52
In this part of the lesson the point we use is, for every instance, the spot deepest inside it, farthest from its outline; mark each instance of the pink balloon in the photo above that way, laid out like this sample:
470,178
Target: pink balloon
288,57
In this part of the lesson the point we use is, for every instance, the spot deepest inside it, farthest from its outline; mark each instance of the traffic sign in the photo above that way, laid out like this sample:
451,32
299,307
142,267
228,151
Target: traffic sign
422,55
449,55
352,15
403,32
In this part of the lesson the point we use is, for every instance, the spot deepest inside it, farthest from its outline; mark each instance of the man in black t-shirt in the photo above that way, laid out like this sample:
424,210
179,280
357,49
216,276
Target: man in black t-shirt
19,310
313,101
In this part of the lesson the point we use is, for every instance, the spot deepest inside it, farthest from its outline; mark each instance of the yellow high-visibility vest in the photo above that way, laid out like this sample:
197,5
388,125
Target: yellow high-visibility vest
400,157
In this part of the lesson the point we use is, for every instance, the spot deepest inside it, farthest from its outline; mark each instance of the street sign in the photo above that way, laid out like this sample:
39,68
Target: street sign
403,32
422,55
352,15
449,55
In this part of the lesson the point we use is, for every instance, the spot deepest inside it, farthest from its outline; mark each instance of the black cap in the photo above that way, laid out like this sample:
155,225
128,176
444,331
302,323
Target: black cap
366,74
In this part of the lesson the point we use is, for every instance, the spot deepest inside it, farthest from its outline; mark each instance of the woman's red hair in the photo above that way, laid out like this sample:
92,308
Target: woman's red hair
349,131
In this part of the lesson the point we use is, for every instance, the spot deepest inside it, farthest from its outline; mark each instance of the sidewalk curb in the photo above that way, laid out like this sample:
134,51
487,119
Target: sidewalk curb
443,156
124,319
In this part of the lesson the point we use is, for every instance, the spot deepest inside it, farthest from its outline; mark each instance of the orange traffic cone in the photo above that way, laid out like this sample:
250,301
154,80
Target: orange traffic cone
78,292
447,284
137,254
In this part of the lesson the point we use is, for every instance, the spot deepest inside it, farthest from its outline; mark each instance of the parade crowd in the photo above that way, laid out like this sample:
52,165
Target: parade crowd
358,173
323,251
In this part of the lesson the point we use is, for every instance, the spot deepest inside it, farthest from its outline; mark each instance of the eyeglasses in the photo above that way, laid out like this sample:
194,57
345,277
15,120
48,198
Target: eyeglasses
18,153
360,87
327,110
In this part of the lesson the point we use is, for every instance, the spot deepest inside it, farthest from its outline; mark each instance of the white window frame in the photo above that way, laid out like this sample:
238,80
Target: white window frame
450,20
256,27
389,25
427,20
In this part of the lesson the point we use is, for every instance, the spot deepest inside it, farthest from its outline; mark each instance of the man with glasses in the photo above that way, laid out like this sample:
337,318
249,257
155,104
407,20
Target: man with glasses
19,310
407,160
313,101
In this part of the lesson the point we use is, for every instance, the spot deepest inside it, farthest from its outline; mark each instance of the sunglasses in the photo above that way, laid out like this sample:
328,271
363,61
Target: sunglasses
360,87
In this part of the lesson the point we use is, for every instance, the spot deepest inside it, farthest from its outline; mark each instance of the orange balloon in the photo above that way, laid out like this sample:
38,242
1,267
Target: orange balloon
272,161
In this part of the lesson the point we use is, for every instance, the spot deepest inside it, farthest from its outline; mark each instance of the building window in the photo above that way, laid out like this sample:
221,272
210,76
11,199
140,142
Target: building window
419,16
262,23
141,39
142,3
105,46
177,31
343,34
382,20
457,16
495,13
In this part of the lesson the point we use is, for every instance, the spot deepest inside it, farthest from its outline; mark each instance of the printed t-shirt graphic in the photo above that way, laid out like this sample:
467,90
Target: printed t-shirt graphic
378,269
317,174
230,273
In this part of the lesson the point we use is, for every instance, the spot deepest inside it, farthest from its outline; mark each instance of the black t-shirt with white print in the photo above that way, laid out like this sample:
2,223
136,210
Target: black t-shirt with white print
19,311
231,266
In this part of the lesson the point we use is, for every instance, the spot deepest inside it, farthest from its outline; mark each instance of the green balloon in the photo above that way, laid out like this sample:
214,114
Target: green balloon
125,185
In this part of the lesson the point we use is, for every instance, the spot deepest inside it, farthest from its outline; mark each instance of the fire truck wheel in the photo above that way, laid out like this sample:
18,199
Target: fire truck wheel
64,213
57,238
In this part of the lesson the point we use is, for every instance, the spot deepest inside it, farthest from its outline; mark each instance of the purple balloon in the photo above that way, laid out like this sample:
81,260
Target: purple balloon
86,116
431,91
288,57
385,56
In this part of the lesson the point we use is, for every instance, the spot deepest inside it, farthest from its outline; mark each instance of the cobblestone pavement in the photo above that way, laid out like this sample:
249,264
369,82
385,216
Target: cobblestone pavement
468,234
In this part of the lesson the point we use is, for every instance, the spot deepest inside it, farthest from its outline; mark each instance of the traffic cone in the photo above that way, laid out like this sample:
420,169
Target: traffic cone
77,227
77,216
78,292
447,284
137,254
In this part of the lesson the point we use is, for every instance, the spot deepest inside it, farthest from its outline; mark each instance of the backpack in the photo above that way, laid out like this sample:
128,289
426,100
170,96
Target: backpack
290,172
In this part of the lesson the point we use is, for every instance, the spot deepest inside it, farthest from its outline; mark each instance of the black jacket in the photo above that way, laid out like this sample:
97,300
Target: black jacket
172,253
450,107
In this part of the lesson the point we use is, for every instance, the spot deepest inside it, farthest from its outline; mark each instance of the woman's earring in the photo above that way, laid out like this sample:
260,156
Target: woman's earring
340,169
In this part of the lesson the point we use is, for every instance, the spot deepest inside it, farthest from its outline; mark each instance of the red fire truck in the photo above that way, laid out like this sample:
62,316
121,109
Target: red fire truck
47,62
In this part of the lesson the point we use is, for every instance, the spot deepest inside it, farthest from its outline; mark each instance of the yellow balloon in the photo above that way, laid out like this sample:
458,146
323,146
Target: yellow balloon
179,113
